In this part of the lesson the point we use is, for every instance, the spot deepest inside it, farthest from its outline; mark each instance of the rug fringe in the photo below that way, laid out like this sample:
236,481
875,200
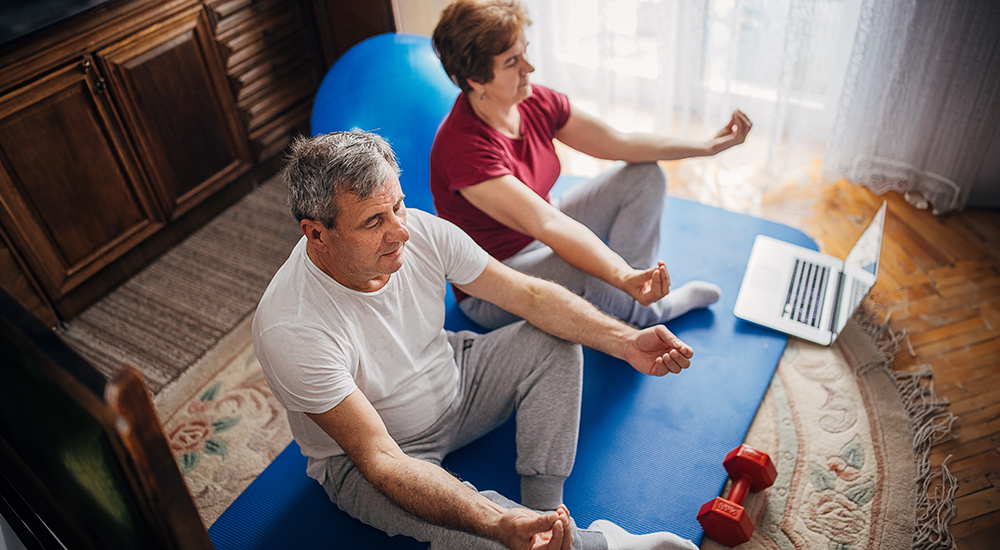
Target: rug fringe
930,423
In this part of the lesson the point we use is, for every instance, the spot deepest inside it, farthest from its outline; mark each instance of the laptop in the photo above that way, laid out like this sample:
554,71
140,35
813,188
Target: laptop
807,294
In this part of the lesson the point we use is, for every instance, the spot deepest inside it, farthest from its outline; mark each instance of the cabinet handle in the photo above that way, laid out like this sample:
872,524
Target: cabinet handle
100,86
84,65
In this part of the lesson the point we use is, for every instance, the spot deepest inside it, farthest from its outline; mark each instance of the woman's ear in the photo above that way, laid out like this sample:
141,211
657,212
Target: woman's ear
477,88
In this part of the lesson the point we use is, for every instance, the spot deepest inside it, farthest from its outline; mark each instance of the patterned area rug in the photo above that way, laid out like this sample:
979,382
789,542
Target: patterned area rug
223,424
840,426
848,437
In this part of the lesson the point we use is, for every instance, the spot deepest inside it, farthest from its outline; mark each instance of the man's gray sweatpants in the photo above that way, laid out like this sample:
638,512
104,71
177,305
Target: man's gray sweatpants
517,369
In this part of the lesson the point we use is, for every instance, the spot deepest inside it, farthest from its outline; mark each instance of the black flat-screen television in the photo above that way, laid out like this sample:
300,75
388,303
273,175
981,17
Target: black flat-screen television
21,17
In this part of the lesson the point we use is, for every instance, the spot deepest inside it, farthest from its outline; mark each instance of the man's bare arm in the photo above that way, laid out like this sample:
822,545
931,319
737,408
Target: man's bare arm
427,490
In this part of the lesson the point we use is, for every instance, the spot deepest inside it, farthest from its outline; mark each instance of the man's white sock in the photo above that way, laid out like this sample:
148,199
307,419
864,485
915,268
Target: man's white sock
693,295
620,539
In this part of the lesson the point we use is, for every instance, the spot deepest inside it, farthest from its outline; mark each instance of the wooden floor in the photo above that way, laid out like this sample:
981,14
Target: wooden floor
940,282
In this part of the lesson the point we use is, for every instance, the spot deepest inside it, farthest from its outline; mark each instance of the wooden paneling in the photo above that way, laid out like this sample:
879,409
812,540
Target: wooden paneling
117,125
274,67
343,23
16,282
169,87
72,195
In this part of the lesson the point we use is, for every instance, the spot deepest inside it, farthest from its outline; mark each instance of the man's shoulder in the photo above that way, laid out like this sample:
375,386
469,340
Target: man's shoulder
293,294
425,224
427,231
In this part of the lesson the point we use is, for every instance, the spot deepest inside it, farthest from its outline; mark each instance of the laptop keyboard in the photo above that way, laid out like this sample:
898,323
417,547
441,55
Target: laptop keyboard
858,292
806,293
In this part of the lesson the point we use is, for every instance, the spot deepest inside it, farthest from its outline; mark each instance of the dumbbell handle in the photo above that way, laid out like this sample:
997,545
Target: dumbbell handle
740,489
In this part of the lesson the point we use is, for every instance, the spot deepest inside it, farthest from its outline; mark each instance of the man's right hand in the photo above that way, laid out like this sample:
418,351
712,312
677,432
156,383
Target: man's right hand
521,529
656,351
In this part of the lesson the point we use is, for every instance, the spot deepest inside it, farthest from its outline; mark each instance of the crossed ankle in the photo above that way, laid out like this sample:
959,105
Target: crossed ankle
690,296
542,492
620,539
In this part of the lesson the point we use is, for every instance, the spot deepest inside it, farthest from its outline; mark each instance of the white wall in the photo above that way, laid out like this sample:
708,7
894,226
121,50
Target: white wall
418,16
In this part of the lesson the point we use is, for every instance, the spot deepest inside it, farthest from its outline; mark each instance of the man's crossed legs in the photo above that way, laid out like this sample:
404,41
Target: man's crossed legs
516,369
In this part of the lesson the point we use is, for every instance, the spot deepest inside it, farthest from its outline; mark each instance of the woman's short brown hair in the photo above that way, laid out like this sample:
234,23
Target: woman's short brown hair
472,32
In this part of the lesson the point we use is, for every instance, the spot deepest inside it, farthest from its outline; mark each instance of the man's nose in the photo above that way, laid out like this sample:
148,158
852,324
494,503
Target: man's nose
398,233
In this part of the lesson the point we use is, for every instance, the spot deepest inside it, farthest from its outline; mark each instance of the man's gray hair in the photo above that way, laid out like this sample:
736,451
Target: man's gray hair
319,169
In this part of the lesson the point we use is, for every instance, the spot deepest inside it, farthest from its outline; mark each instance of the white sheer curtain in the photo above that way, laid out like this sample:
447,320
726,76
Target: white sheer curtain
682,66
921,99
897,94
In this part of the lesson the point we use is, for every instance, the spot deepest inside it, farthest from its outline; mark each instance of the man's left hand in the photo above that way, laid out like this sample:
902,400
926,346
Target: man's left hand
523,529
656,351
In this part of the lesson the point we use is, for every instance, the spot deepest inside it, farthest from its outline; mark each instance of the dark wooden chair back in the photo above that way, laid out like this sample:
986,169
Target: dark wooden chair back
84,462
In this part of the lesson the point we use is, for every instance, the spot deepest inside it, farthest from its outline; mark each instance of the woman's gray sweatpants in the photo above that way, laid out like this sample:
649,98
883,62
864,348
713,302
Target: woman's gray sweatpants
517,369
623,207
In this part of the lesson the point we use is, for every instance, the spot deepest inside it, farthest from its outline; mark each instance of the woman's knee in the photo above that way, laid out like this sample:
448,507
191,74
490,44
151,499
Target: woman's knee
647,175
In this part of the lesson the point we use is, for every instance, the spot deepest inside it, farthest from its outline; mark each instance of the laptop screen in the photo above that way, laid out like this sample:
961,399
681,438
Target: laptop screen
860,269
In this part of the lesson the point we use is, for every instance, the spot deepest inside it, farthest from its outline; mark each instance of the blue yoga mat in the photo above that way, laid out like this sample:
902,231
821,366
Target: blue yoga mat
650,450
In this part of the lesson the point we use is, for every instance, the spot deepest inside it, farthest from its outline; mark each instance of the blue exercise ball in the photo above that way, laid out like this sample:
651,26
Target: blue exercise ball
391,84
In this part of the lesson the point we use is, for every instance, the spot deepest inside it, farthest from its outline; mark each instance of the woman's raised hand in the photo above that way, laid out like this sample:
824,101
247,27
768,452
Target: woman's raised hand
734,133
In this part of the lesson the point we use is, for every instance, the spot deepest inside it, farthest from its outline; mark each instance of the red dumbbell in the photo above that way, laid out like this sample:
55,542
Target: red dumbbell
724,519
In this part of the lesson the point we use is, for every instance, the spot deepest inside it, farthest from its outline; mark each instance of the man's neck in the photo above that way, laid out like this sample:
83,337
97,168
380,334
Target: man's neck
356,282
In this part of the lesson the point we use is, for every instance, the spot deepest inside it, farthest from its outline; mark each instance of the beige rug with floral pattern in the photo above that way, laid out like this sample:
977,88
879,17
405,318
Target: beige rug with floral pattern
848,437
223,424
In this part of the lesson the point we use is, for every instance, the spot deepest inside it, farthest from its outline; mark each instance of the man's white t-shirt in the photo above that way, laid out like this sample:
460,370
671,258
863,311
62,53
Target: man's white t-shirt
318,340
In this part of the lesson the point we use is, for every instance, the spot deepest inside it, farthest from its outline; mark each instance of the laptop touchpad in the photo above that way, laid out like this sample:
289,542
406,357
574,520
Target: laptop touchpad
766,278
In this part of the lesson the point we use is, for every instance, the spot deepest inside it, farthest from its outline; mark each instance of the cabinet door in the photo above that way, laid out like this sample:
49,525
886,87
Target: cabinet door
71,196
170,87
16,282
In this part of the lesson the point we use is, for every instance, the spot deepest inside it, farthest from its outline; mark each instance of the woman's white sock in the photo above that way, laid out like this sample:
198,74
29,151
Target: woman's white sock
693,295
620,539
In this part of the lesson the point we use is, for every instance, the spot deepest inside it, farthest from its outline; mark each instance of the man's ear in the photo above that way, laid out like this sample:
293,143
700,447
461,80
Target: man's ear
315,233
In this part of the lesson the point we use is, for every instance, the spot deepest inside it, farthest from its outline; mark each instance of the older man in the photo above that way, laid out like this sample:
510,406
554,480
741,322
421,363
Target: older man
350,335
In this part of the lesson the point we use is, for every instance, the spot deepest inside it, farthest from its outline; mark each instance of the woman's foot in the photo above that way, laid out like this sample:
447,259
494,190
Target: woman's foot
620,539
693,295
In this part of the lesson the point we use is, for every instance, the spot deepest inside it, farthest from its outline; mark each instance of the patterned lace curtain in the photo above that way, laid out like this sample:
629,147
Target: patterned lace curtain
921,100
681,67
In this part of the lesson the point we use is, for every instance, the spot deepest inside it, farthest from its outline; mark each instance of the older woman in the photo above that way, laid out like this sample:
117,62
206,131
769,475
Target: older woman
493,164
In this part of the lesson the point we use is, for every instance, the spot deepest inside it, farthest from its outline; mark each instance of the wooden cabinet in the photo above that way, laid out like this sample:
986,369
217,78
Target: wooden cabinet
125,128
273,64
169,86
15,281
71,190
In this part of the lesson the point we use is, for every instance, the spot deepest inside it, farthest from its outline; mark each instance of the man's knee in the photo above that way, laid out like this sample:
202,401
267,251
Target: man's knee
557,354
